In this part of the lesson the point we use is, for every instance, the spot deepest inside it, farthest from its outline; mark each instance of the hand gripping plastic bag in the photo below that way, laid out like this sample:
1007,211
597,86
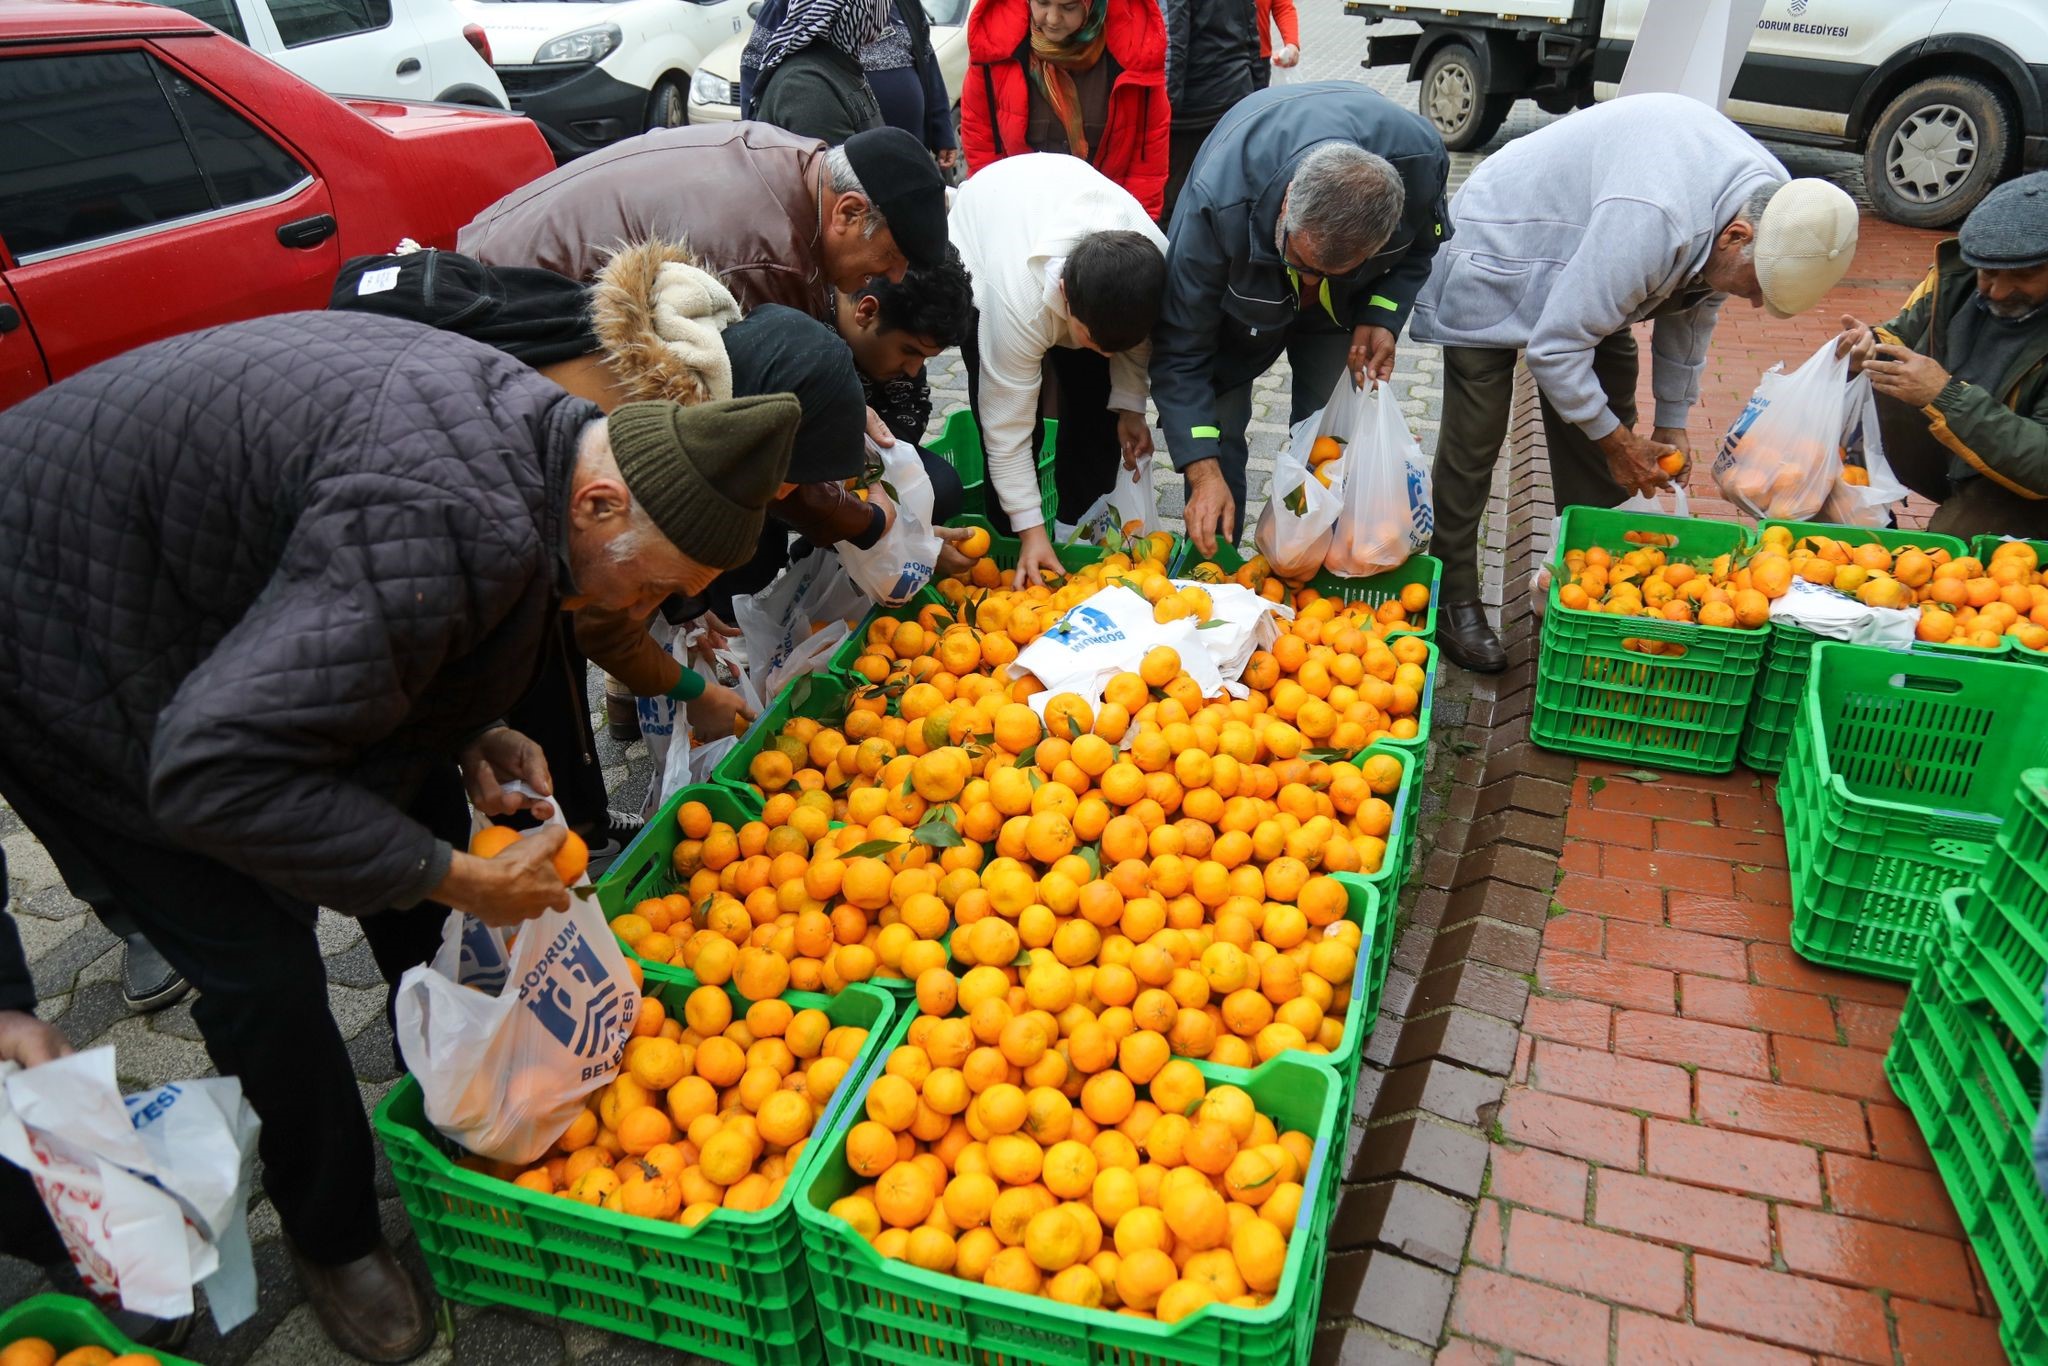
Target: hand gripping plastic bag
782,625
1865,489
894,568
503,1073
150,1191
1386,513
1783,452
1130,508
1300,515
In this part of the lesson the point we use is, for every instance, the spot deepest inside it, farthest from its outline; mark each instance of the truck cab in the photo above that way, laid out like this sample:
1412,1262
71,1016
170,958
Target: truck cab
1942,98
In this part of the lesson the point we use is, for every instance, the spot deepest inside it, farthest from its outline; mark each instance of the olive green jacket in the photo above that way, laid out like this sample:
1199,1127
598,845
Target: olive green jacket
2002,432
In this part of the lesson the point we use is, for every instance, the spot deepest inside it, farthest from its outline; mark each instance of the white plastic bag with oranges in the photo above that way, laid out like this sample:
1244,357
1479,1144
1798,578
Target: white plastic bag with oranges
1386,513
1865,488
894,568
504,1071
1130,508
1783,453
1300,516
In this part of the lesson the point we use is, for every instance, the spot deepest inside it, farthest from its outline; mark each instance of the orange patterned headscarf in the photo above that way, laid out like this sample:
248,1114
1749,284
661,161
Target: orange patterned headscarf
1050,63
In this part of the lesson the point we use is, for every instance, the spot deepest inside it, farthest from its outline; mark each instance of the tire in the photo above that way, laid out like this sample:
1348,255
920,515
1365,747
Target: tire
1937,149
1453,98
666,106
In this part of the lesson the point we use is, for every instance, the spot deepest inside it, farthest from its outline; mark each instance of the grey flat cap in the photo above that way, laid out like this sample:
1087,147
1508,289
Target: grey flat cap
2009,229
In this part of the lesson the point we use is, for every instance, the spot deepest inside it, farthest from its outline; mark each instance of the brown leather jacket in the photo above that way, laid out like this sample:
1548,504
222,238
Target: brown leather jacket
743,196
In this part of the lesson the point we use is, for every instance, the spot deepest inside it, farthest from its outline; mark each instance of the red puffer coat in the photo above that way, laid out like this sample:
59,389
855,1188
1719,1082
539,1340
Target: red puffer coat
995,101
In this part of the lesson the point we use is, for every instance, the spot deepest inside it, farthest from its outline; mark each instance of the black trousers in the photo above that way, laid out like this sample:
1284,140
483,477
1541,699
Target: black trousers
1086,455
555,714
1182,142
262,1004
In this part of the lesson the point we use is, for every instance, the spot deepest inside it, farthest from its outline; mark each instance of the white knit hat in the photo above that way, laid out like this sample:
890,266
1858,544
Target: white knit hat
691,308
1804,245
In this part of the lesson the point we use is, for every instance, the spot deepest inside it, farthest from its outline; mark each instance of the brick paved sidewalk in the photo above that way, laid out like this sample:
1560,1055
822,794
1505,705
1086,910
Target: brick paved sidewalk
1699,1158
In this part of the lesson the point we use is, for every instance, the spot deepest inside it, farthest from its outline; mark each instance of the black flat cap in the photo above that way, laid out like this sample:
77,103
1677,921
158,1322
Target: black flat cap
900,178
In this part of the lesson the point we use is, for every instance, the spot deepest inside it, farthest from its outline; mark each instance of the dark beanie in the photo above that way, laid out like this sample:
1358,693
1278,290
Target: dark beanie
2008,230
706,473
899,178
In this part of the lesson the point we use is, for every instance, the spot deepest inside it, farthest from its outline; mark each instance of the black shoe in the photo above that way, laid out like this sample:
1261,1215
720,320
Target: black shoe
147,982
1466,640
622,718
620,830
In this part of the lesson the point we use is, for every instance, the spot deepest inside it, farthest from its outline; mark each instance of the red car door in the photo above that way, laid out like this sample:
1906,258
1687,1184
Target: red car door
136,203
22,371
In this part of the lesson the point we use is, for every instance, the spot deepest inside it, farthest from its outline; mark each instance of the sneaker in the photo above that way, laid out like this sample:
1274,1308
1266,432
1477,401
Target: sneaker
620,830
148,982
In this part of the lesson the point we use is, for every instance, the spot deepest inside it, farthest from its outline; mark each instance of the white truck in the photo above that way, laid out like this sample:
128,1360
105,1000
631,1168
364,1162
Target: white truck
1943,98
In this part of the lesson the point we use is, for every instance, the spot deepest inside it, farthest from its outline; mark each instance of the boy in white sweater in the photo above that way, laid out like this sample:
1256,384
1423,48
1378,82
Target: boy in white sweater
1068,273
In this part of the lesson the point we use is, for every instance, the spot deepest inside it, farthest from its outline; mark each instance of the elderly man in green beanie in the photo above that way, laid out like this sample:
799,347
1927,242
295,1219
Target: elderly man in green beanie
1961,373
268,589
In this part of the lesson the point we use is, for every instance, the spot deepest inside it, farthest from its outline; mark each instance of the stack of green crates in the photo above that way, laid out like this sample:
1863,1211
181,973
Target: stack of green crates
959,444
1974,1088
731,1288
68,1323
878,1312
1998,943
1599,697
1781,682
1900,774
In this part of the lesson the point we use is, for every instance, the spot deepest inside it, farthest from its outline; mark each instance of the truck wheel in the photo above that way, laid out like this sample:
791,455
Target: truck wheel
665,108
1936,150
1453,98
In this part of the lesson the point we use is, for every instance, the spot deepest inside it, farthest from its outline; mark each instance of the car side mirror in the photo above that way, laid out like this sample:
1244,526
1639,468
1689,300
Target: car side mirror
754,10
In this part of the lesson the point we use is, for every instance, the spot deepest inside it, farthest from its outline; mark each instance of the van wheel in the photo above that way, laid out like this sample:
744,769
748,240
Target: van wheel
665,107
1453,98
1936,150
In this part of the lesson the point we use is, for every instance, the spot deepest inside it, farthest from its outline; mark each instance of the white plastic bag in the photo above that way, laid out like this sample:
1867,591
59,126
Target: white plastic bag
1107,634
503,1074
1867,503
894,568
1130,508
1300,515
779,622
1783,453
150,1192
1386,513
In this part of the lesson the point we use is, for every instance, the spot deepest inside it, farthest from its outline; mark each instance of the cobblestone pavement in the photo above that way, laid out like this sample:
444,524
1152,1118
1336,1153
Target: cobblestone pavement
77,963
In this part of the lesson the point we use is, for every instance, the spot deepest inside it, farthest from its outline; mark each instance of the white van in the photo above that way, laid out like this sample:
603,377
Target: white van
590,73
1944,98
383,49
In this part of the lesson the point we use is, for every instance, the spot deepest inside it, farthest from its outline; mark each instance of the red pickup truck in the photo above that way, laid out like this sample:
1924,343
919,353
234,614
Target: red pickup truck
156,176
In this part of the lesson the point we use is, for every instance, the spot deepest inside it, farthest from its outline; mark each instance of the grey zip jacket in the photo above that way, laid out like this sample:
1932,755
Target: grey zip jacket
1571,233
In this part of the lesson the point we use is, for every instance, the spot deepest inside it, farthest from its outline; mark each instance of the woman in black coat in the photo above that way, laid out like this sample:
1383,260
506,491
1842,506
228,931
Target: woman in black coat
903,71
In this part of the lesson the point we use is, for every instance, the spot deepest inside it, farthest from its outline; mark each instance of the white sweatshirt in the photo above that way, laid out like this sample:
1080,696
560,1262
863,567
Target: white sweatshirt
1572,232
1014,222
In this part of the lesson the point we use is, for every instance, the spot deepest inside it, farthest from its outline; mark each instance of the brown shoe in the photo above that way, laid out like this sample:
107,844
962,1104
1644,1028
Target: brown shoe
622,718
369,1307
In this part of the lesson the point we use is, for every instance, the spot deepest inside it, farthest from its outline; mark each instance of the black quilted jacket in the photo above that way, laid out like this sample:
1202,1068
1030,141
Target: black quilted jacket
256,581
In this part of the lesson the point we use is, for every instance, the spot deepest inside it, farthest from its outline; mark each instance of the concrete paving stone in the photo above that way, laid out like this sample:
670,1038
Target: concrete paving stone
489,1339
144,1058
588,1347
354,966
354,1009
336,932
298,1341
61,968
94,1010
29,866
369,1053
176,1021
51,903
48,1008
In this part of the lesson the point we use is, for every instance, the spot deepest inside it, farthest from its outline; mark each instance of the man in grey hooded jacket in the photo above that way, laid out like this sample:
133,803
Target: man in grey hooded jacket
1652,208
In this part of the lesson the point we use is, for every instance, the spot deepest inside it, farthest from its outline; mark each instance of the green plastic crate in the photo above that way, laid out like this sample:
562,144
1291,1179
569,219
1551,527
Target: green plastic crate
1781,682
67,1322
959,444
1901,771
2003,946
1975,1096
2025,833
876,1312
1982,548
732,1288
644,868
1373,589
1597,698
818,696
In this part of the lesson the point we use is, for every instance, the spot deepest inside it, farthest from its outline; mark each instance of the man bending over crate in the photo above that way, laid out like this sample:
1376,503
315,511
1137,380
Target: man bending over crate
268,589
1962,372
1652,208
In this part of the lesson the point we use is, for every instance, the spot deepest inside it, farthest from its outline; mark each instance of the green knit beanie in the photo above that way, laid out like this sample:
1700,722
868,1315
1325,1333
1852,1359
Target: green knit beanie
707,472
